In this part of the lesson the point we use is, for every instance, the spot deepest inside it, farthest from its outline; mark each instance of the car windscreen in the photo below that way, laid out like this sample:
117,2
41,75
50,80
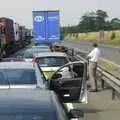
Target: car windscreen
51,61
17,76
45,116
32,52
28,54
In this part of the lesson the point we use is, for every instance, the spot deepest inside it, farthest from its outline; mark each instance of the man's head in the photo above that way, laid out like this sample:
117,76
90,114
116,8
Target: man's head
95,45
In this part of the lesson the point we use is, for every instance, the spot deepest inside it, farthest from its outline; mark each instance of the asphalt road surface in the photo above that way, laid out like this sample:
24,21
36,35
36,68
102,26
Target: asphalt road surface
108,52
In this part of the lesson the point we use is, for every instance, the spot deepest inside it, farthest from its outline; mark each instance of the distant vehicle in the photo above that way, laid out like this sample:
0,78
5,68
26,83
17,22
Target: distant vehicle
7,41
46,26
41,47
57,47
20,75
16,33
12,36
31,104
39,44
51,61
11,59
31,52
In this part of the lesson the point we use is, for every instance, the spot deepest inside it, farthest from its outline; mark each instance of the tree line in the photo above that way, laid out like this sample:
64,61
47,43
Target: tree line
93,22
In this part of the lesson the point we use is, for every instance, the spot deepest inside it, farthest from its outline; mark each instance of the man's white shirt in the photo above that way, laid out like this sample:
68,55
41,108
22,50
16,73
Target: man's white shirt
94,55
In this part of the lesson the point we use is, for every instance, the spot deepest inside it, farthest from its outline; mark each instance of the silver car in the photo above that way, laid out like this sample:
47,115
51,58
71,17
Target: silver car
30,53
41,47
20,75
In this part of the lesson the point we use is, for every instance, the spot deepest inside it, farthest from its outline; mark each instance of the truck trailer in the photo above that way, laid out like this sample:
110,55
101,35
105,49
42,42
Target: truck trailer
8,35
46,27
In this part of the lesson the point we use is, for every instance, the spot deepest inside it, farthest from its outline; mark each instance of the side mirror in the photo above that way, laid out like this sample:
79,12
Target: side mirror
75,113
56,76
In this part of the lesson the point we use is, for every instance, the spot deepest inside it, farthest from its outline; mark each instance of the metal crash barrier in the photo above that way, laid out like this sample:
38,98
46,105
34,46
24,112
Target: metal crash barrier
104,76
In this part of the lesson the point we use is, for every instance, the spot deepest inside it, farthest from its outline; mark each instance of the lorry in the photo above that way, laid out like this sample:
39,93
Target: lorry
8,35
12,36
46,27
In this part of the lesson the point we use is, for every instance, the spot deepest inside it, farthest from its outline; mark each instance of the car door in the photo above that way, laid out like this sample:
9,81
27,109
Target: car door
72,89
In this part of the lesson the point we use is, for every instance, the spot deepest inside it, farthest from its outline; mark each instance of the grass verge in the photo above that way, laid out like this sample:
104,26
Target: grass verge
110,37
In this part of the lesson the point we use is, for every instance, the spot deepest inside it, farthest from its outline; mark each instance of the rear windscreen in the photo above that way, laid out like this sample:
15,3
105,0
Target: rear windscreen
17,76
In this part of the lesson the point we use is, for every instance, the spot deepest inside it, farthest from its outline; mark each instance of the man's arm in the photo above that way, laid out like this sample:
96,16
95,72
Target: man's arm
89,55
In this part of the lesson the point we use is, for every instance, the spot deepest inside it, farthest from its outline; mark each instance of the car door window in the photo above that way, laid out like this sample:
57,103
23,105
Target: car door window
3,79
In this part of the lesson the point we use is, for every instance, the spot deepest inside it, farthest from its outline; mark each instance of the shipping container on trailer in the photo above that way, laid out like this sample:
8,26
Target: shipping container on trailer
9,31
28,35
2,32
8,41
46,26
22,35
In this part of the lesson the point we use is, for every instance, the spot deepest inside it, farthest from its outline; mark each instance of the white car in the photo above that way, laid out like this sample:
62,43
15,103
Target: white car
52,61
20,74
41,47
30,53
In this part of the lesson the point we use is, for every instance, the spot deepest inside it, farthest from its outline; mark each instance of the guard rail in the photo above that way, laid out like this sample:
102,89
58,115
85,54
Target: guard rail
105,76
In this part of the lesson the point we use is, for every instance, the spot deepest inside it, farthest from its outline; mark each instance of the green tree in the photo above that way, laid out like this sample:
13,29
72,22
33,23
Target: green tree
115,23
100,21
93,21
87,22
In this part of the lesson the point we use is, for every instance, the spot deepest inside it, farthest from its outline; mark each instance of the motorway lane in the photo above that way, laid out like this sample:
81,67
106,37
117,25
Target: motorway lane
108,52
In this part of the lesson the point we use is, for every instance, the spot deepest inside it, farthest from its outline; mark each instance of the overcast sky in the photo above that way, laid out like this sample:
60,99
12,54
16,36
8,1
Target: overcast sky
70,10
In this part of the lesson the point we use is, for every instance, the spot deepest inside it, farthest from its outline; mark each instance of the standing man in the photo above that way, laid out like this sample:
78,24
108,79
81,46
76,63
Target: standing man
93,57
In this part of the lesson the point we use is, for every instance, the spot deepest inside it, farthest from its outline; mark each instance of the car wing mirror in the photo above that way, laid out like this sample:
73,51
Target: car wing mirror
56,76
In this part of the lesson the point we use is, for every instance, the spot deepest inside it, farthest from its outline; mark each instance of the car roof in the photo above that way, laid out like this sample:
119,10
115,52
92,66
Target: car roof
17,65
26,100
36,49
10,59
47,54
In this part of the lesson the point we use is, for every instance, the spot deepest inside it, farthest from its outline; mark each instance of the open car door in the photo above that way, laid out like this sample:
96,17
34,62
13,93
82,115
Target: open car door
74,88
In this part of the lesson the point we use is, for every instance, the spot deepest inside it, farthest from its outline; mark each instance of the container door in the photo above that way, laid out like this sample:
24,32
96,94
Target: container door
53,29
39,23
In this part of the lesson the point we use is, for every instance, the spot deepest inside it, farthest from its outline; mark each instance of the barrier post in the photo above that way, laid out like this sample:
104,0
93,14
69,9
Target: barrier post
113,94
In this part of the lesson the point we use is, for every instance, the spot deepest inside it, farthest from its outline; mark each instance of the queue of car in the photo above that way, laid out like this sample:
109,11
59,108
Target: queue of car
36,86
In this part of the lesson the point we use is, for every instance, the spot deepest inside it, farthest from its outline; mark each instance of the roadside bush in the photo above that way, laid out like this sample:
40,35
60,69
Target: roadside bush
113,36
76,35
